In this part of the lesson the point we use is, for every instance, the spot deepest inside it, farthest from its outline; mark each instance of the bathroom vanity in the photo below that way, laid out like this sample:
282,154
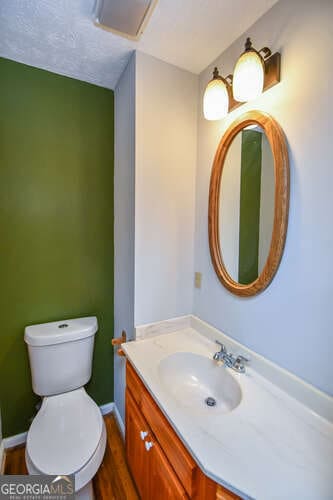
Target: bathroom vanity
269,435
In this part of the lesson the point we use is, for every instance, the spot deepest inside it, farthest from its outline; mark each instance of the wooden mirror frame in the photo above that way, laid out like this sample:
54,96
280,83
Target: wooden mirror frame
278,145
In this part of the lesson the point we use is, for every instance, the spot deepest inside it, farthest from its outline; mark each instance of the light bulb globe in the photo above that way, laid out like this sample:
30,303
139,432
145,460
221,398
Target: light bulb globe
216,99
248,79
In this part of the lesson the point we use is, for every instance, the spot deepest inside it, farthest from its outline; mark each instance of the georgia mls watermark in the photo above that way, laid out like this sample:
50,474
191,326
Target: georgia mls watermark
37,487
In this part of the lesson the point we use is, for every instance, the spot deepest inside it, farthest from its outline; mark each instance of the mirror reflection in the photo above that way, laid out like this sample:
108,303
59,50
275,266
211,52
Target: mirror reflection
246,211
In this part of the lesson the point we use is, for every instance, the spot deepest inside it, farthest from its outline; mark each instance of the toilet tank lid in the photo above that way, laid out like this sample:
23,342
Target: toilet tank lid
59,332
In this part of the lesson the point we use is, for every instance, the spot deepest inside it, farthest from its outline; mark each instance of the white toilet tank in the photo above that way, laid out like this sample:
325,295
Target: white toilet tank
60,354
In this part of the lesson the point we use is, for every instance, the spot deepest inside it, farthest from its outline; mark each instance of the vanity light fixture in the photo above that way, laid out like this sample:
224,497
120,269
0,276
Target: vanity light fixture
255,72
216,97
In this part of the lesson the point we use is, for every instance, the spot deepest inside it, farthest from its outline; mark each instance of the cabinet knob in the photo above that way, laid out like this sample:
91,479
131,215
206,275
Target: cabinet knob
143,435
148,445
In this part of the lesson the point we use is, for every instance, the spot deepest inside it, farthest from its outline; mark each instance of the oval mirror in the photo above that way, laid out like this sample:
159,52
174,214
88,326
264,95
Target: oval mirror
248,203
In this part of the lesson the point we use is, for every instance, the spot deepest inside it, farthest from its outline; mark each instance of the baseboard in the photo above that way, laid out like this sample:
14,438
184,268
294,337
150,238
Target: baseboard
17,439
2,458
119,420
107,408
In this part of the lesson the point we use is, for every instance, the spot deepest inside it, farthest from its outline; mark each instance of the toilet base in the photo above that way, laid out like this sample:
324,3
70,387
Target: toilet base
85,493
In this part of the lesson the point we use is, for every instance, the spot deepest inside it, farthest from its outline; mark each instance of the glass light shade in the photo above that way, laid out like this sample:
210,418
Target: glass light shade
216,100
248,80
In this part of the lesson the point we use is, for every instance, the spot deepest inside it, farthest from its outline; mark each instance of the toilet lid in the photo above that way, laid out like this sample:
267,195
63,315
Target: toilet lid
65,433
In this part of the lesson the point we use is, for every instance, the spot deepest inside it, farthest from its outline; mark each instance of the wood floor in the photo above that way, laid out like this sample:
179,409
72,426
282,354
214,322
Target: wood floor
112,481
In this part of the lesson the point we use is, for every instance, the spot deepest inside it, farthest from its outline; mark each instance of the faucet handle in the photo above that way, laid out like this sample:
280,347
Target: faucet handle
238,364
223,348
242,359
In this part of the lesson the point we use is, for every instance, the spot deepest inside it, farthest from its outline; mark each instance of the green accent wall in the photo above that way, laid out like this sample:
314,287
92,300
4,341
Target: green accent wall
249,215
56,223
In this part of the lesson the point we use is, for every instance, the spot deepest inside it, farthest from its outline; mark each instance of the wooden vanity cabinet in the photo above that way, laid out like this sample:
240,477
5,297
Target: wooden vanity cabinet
161,466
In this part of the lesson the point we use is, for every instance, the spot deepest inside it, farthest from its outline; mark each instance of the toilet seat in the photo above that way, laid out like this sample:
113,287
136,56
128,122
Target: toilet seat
84,475
65,434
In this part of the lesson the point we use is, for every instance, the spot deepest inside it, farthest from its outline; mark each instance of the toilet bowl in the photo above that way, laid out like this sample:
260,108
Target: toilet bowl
67,436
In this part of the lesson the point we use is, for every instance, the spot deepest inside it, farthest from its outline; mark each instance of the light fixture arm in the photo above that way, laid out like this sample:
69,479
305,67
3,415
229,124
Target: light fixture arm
266,52
229,79
216,76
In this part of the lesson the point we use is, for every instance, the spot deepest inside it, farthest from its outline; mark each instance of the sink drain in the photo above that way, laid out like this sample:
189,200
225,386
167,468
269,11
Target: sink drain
210,401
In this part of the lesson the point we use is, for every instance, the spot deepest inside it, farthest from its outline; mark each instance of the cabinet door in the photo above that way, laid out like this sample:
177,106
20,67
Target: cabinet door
164,483
153,475
136,454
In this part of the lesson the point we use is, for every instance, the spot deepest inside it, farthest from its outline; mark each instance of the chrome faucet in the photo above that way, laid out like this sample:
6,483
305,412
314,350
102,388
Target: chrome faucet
230,360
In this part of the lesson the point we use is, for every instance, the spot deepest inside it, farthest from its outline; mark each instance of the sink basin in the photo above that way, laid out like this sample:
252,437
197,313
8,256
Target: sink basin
197,382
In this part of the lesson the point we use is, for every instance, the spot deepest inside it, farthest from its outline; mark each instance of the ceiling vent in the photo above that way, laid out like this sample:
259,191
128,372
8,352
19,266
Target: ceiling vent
127,18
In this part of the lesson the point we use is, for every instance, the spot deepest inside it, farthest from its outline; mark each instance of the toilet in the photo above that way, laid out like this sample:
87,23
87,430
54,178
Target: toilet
67,436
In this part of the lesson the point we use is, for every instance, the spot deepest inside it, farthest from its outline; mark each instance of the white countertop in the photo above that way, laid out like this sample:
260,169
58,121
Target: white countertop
271,446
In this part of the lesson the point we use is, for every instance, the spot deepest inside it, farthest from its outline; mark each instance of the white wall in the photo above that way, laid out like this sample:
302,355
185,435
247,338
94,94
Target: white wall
124,199
291,322
155,166
166,128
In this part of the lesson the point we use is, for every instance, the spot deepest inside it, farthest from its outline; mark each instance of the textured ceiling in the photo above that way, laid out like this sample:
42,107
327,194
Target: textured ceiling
59,35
